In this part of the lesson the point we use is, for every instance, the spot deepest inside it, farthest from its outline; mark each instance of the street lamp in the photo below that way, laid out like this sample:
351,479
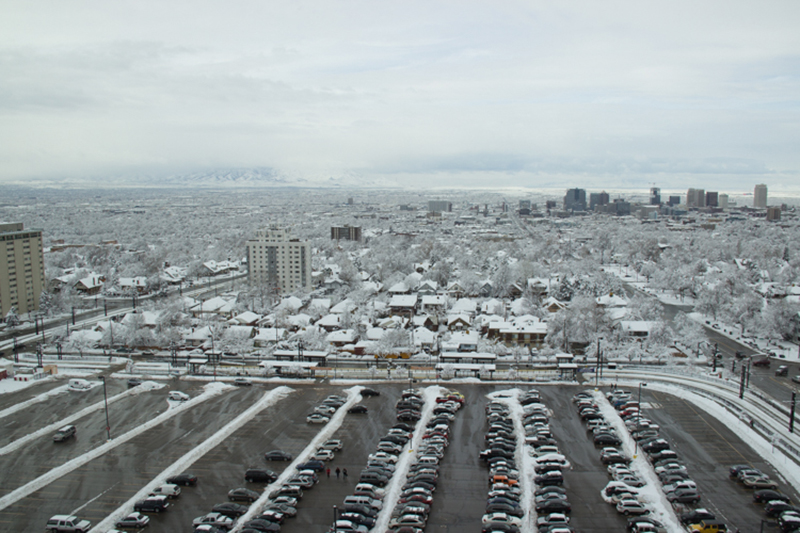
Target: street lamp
335,518
639,416
599,363
105,399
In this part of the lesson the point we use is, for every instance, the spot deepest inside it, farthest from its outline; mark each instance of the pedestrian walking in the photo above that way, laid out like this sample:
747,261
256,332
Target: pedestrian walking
344,473
337,472
328,471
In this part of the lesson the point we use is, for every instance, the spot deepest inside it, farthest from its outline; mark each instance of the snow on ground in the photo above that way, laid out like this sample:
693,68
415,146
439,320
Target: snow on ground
9,385
22,441
60,471
353,397
407,457
269,399
36,399
650,493
525,463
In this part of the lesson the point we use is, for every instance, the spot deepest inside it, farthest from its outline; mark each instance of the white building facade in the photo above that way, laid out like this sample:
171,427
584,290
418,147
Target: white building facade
280,261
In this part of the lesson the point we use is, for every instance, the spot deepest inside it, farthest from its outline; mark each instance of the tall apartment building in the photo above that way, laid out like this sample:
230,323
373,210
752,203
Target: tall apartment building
280,261
439,206
760,196
773,213
695,198
575,200
712,199
21,268
347,233
723,201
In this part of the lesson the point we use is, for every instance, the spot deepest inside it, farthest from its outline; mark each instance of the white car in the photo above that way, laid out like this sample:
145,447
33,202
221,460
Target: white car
214,519
168,489
178,396
323,455
628,507
334,445
383,456
502,518
317,419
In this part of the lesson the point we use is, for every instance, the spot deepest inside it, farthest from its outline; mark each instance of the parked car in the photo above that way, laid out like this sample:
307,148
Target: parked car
278,455
67,523
231,509
178,396
133,521
259,475
369,392
183,480
170,490
782,370
358,409
214,519
697,516
769,495
243,495
333,444
316,418
153,504
242,382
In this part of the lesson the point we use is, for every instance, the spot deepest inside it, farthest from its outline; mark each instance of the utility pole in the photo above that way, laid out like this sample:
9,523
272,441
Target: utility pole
741,384
791,414
599,363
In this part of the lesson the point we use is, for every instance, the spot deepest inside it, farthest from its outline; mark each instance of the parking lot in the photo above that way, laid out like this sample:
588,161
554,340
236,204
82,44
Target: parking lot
98,488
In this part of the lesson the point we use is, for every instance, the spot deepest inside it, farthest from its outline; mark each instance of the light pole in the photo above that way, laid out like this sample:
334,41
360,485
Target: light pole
335,518
639,416
599,363
105,399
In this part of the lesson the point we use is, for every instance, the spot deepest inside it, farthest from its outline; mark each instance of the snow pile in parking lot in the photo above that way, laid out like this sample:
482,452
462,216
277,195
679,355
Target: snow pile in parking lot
23,441
269,399
407,456
525,463
353,397
650,493
69,466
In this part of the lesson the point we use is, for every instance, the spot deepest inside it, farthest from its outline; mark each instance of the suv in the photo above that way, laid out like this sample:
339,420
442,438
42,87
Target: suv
64,433
782,370
153,504
62,522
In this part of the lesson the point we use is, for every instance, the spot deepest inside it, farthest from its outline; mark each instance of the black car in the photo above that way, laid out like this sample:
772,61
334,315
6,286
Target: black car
277,455
243,495
263,525
655,446
183,480
773,509
504,508
134,382
358,508
233,510
259,475
606,439
551,488
697,516
358,409
155,504
369,392
768,495
554,505
317,466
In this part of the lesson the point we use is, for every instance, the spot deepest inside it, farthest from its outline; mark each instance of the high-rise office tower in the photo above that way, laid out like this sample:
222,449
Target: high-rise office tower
760,196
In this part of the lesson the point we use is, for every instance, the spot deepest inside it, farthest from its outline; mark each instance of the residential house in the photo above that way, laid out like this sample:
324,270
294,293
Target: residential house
90,285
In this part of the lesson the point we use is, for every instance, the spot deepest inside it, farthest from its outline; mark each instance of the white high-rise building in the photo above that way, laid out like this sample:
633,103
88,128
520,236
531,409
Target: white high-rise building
277,259
760,196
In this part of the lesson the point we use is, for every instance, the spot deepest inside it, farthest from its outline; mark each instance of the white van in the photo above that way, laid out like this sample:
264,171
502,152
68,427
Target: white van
79,384
428,460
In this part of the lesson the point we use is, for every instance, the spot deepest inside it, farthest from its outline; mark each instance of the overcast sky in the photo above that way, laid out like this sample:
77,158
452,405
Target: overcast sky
433,93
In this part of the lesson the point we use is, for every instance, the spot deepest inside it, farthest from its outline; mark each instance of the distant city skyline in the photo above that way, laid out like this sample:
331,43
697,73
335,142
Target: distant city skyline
414,94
